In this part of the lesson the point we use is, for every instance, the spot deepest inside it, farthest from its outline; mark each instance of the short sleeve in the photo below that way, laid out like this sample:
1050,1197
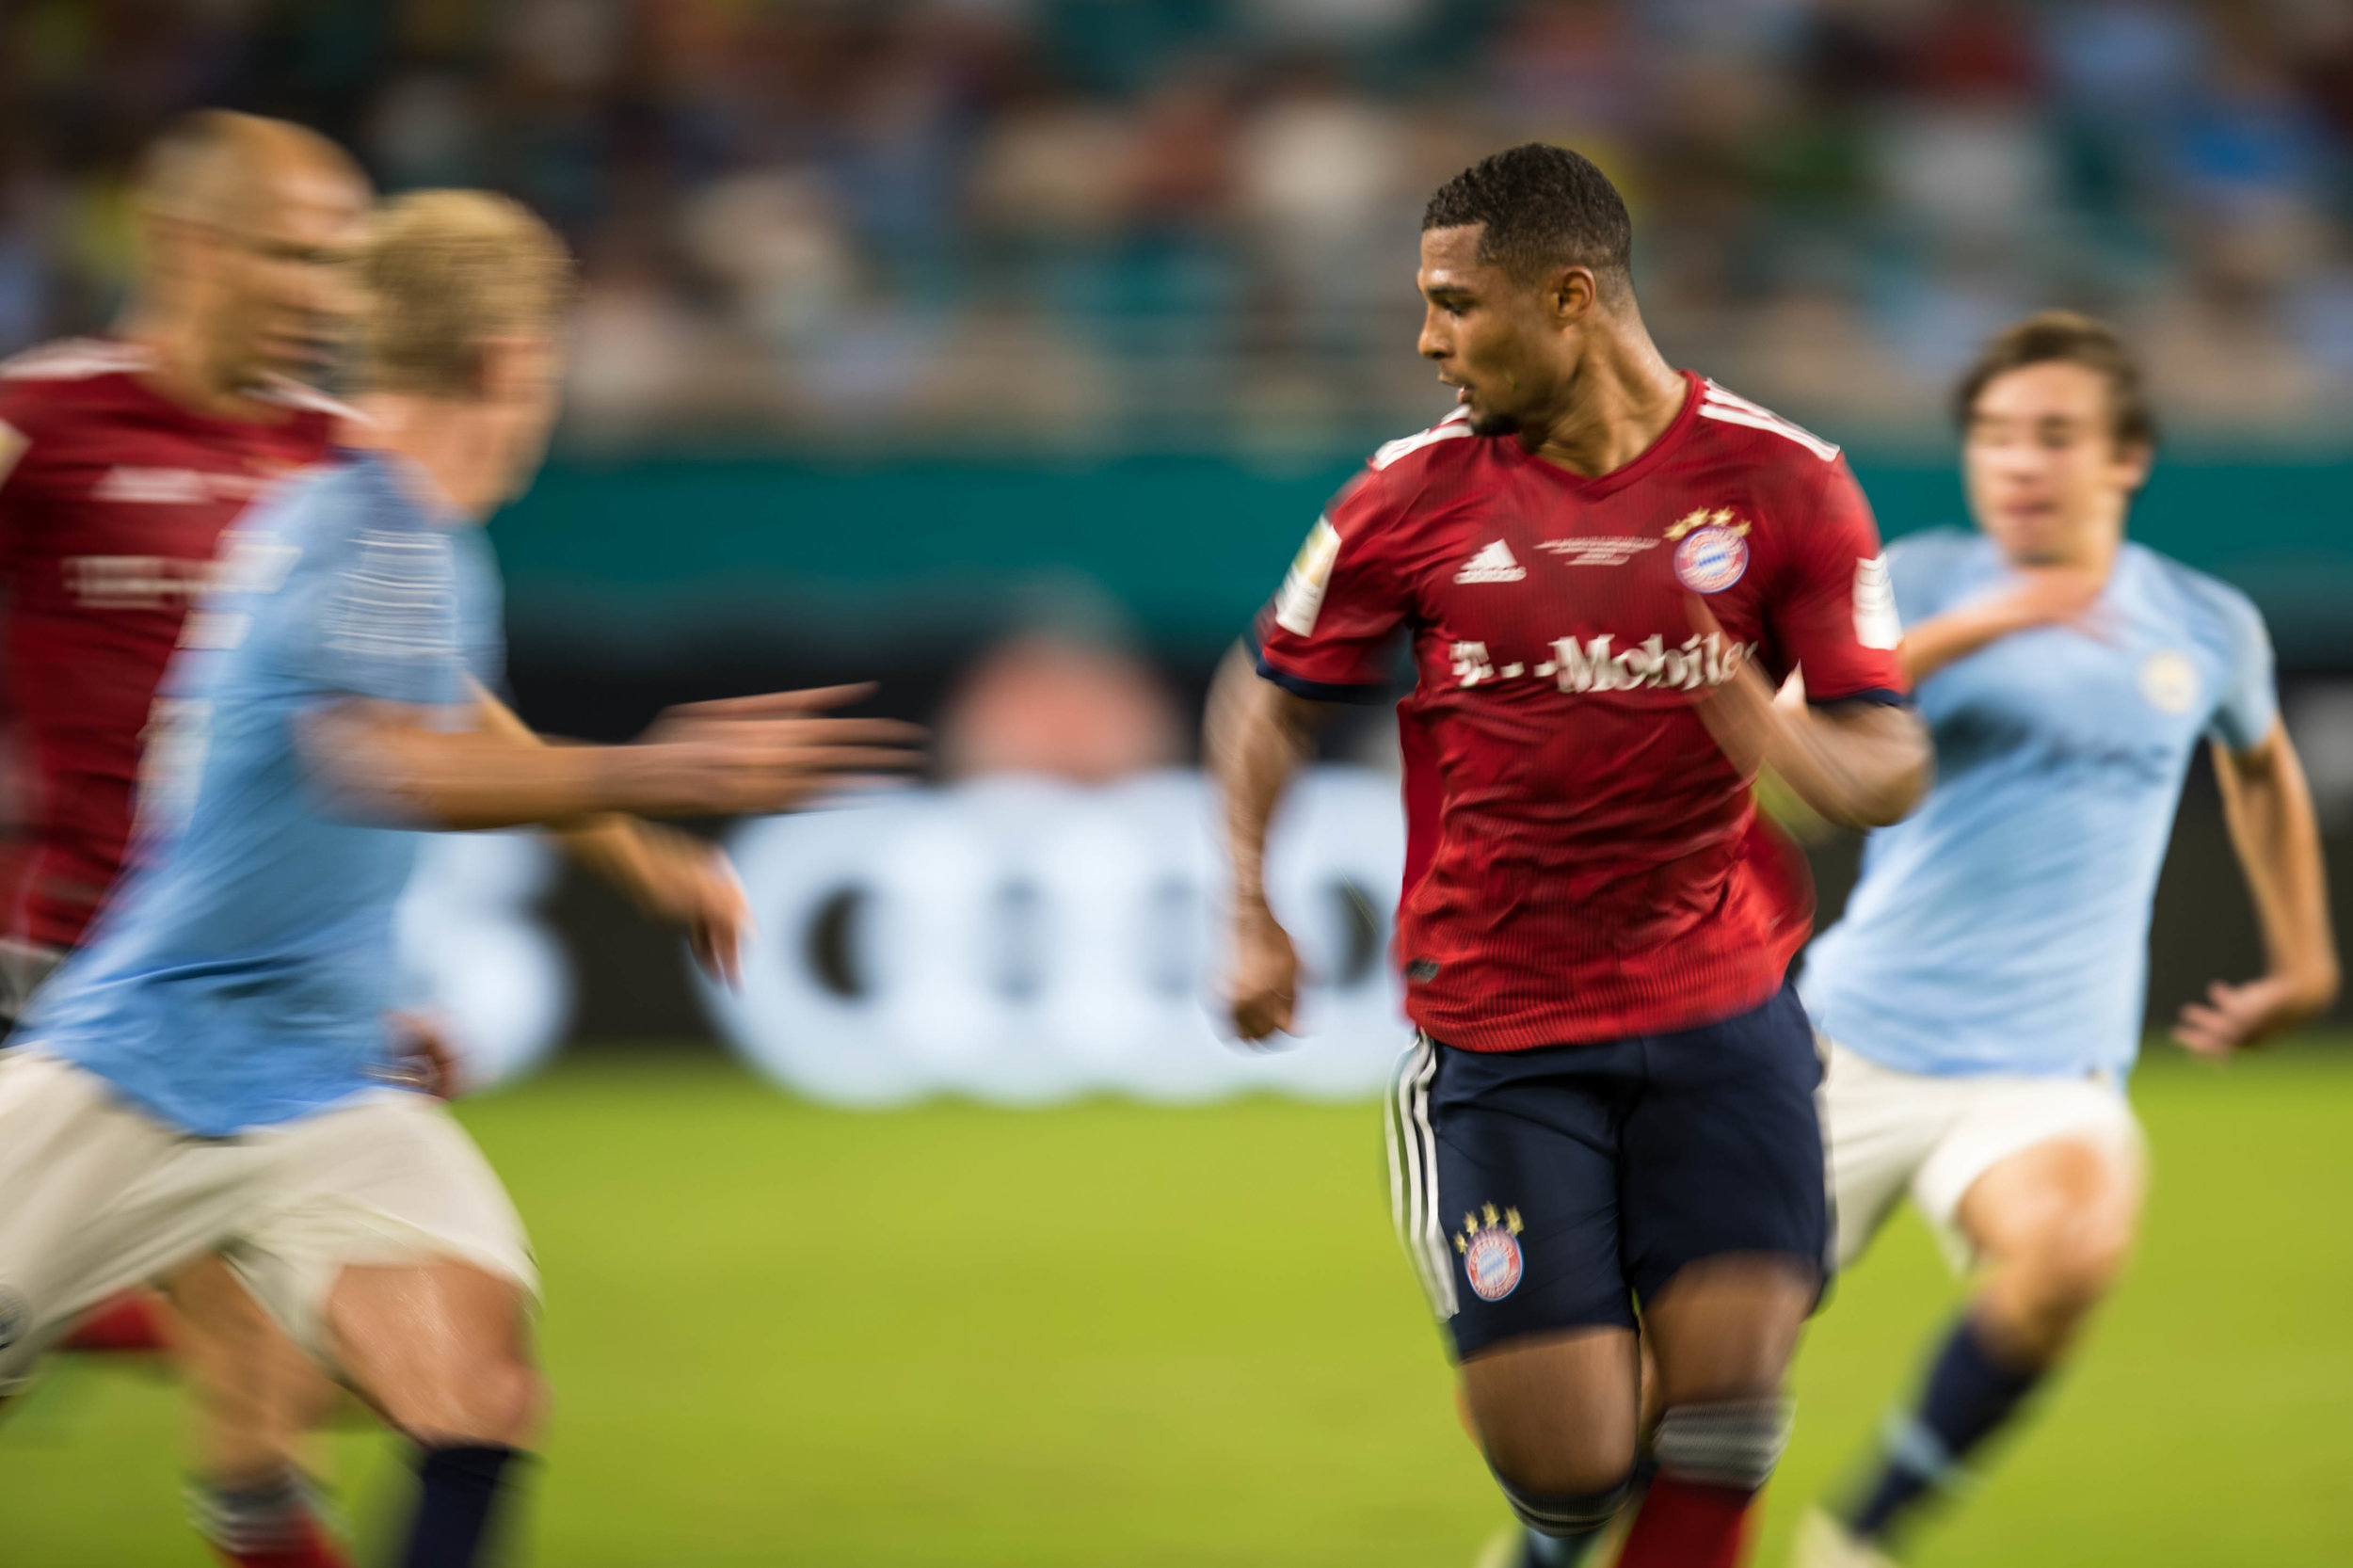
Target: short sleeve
389,627
1834,618
2249,703
1326,632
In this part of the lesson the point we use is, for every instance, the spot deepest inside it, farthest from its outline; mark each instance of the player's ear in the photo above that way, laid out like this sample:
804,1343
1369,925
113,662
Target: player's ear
2135,458
509,367
1570,293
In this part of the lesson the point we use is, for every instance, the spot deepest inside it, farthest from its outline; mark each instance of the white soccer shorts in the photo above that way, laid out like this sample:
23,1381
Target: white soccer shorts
96,1197
1889,1131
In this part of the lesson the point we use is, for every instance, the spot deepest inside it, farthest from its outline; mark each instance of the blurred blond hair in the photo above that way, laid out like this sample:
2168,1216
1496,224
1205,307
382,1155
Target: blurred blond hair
446,271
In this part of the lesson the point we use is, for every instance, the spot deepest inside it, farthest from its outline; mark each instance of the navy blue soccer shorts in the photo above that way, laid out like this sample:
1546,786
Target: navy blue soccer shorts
1554,1189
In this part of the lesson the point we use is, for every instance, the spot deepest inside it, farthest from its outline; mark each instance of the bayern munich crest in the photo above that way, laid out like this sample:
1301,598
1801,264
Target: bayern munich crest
1490,1244
1711,552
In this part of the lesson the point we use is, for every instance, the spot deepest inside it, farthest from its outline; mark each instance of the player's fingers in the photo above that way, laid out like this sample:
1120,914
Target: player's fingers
1703,619
775,705
845,758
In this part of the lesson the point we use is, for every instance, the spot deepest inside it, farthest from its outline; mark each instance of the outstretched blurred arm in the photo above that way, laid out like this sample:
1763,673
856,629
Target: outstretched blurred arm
749,755
2046,596
1255,736
671,876
2277,836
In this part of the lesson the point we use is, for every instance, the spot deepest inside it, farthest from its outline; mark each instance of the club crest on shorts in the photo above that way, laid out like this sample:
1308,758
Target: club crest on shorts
1490,1244
1711,550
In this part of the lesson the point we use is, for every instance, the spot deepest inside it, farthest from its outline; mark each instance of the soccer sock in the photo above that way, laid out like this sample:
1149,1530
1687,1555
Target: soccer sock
1558,1530
126,1324
269,1526
1968,1397
1713,1459
458,1490
1688,1524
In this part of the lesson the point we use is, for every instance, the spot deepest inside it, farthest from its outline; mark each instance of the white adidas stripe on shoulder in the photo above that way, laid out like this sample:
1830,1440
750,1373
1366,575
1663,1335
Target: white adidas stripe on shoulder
1455,423
75,360
1717,404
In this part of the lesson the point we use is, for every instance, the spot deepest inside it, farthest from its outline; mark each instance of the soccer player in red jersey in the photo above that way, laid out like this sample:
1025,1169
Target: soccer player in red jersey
1605,567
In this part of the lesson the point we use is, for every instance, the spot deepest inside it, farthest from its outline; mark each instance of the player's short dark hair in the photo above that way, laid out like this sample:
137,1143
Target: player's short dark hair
1543,207
2065,336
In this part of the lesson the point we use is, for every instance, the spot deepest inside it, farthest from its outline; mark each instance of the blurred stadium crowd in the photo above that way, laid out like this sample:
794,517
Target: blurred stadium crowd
1187,223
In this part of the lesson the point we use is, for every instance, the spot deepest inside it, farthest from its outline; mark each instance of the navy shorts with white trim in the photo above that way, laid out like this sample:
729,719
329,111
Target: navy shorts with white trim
1552,1189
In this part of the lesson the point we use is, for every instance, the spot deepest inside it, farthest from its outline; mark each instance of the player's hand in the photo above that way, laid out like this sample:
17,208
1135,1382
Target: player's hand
752,756
1262,992
2233,1018
426,1053
689,883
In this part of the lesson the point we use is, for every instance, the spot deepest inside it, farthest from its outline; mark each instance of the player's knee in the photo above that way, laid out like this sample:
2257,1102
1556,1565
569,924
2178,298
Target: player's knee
490,1398
2075,1264
1728,1442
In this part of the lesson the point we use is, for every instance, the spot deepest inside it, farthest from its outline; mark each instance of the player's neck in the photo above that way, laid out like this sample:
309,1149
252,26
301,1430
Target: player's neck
186,374
462,455
2092,552
1621,400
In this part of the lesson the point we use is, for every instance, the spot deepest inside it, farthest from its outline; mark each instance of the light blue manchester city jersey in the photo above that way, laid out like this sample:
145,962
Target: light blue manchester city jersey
2004,927
241,973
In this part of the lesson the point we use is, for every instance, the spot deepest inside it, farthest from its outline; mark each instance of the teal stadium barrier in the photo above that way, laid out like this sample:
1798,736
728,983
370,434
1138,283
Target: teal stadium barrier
1190,546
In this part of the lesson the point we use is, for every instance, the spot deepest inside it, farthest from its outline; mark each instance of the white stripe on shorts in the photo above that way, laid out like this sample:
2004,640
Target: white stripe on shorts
1413,1148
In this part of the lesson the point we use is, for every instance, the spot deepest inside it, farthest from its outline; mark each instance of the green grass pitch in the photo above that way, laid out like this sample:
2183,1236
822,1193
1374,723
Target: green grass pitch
1111,1333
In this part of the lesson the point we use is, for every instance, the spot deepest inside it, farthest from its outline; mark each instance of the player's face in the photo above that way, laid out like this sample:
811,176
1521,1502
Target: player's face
1490,334
280,294
2045,474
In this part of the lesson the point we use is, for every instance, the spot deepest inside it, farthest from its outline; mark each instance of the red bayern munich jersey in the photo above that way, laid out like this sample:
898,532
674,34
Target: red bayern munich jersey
112,501
1598,869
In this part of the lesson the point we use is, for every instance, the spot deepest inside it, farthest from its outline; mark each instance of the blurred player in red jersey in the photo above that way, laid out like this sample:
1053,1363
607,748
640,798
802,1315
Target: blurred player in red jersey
122,461
1605,566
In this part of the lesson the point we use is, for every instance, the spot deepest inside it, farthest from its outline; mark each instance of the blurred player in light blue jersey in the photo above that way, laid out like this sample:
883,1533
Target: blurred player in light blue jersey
212,1071
1982,998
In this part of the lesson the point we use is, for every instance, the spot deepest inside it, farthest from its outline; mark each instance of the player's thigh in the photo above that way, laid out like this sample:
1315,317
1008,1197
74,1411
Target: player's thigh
1510,1192
1558,1414
1879,1124
94,1197
256,1391
2037,1166
1723,1152
440,1347
388,1183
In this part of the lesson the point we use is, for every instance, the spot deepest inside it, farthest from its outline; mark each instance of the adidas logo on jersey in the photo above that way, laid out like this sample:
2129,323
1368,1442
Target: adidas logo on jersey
1494,563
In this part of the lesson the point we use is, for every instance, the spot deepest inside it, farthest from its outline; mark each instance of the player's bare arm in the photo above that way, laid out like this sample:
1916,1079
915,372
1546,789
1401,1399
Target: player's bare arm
2270,809
671,876
1859,764
2045,596
1257,734
744,755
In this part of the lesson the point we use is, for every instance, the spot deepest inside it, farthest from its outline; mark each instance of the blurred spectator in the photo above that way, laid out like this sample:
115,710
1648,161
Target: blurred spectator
1190,223
1062,705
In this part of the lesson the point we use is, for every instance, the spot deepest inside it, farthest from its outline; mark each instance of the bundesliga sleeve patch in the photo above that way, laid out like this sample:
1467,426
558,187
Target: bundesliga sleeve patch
1300,600
1876,623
